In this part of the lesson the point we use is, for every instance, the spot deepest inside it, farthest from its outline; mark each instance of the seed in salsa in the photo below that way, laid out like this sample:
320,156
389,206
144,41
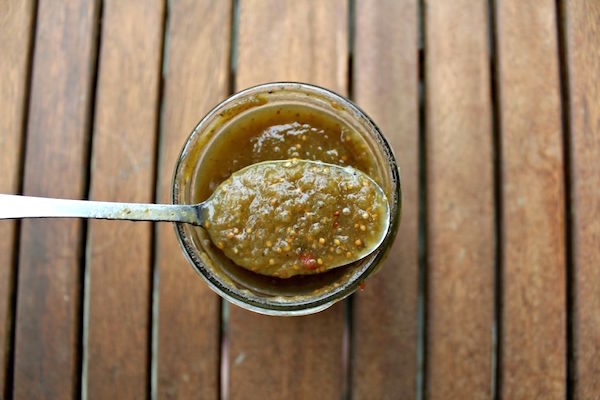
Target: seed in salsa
296,217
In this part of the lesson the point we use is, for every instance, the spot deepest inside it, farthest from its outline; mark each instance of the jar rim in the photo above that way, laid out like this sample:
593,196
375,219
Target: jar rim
310,305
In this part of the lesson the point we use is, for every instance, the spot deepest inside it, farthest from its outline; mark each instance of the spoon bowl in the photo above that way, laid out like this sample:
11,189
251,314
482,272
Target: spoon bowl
297,217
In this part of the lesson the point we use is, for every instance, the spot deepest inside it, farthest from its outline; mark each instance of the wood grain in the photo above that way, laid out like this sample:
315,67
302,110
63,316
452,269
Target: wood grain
300,357
16,30
385,86
460,205
533,363
583,63
304,40
119,254
196,79
48,302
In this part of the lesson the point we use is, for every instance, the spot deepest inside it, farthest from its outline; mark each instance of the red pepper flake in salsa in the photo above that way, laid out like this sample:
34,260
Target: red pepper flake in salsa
308,261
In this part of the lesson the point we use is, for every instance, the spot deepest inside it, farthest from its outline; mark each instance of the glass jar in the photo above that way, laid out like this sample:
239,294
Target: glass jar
298,295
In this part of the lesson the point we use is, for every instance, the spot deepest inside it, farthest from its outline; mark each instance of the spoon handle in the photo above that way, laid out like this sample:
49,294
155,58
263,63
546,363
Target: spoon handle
16,206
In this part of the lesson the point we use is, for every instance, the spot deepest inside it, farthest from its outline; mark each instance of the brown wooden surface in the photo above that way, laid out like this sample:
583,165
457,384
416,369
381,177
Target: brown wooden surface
460,206
583,63
119,254
16,27
196,79
385,362
86,321
304,40
291,358
533,362
48,300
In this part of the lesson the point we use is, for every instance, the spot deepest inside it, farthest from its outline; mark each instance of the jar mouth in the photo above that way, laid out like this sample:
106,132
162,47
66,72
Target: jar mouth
190,157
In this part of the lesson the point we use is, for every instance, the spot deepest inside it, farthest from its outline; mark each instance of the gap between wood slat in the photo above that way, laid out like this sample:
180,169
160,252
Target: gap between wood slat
421,385
80,387
152,368
224,353
224,366
498,209
351,47
348,329
347,348
563,68
233,49
10,357
26,105
154,322
154,285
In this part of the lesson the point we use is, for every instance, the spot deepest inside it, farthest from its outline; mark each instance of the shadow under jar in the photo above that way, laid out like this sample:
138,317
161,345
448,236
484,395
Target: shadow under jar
277,121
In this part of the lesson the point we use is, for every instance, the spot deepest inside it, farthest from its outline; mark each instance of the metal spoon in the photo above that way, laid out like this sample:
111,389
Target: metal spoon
17,206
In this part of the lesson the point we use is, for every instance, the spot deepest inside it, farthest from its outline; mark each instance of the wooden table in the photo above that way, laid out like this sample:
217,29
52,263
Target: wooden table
491,290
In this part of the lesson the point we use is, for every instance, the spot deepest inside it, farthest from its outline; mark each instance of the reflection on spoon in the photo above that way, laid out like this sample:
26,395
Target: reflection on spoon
277,218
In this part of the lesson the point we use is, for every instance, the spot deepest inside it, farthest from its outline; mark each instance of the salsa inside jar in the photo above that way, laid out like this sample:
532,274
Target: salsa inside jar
282,132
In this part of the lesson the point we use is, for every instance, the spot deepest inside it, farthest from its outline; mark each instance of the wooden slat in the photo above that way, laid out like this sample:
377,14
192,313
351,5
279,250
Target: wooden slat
298,357
385,86
119,253
48,302
583,50
460,205
305,40
197,72
533,363
16,27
